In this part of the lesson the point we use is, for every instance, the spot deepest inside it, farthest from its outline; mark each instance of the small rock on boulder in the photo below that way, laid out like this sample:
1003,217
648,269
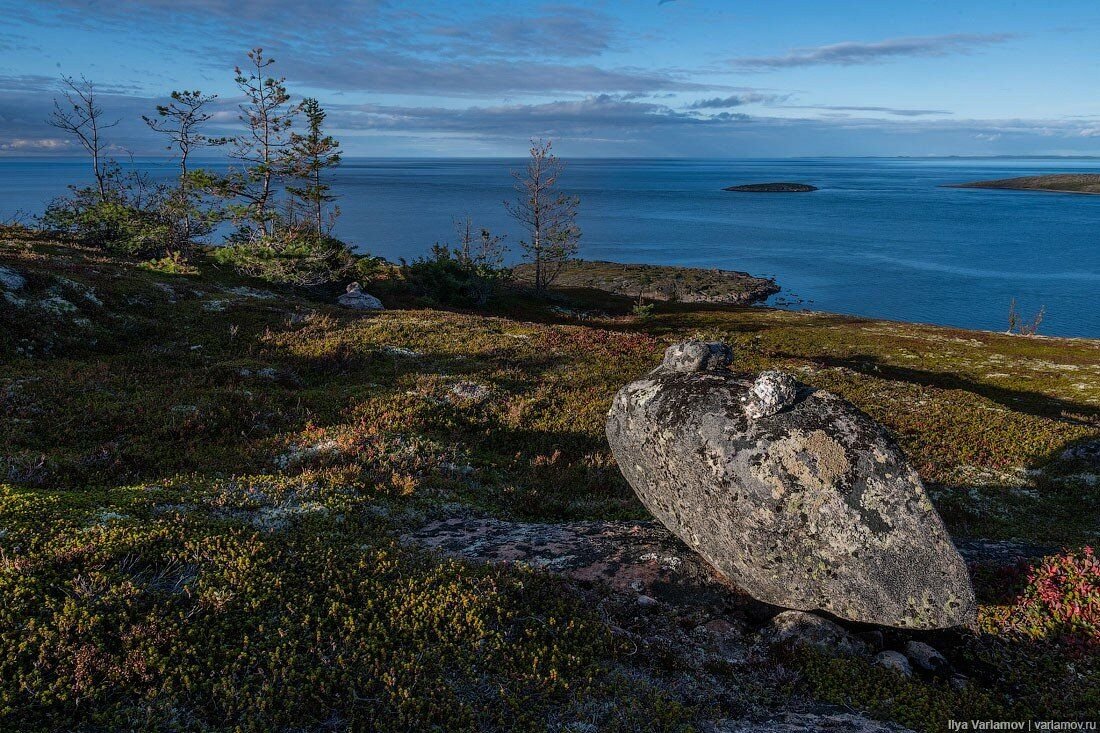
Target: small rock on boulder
793,494
356,298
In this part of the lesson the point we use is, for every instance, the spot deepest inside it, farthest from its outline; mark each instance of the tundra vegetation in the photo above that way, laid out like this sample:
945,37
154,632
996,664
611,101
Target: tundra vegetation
203,477
205,471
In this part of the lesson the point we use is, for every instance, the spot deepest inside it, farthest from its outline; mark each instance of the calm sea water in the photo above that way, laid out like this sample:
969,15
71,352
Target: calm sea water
879,239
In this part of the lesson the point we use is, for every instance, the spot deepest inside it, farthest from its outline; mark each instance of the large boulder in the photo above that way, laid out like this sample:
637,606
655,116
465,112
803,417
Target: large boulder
792,493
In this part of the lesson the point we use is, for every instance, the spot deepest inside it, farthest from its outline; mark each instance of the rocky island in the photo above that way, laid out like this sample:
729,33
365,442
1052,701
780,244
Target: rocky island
1054,183
772,188
662,282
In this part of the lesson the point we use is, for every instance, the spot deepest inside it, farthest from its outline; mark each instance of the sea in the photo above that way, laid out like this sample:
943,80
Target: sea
881,237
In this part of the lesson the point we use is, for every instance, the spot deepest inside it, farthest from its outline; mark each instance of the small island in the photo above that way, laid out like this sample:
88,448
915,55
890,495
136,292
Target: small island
1055,183
772,188
662,282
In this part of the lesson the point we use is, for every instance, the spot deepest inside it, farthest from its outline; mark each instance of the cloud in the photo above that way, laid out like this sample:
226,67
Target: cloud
738,100
384,47
885,110
560,31
36,145
851,53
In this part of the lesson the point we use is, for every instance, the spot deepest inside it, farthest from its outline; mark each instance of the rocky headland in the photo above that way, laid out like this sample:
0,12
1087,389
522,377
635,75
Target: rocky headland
662,282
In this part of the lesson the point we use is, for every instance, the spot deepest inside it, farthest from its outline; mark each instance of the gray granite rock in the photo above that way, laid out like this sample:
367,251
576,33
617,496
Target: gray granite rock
356,298
895,661
812,507
925,657
807,629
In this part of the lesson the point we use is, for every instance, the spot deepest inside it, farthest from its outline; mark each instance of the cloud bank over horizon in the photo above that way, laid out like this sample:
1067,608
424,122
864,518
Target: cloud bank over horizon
687,78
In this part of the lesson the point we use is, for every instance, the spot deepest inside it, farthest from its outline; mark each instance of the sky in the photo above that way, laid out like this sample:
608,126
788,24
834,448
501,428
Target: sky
626,78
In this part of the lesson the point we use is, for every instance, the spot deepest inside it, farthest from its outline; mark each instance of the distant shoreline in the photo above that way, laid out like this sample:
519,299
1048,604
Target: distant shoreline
1080,183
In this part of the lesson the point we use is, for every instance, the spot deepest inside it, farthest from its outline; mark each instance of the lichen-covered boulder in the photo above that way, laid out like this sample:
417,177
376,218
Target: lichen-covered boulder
793,494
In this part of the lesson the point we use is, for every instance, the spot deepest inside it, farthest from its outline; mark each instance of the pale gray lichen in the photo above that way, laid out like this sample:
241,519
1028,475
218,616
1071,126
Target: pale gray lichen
770,394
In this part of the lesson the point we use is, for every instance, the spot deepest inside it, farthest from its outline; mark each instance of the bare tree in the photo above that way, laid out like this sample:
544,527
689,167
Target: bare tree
261,146
180,120
481,250
80,116
548,216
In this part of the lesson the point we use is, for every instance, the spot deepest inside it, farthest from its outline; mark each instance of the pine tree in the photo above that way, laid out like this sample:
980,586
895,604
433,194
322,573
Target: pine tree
308,157
180,120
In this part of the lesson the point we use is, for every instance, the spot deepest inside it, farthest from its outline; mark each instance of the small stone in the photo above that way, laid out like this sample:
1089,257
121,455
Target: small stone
696,356
770,394
646,601
959,682
359,300
895,661
807,629
925,657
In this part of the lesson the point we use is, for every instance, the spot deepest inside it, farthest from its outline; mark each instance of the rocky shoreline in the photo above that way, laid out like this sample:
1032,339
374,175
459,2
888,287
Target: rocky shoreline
663,282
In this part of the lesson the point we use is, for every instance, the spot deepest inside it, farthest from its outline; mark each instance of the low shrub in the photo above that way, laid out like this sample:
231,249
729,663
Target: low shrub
171,264
1062,599
291,256
454,278
113,224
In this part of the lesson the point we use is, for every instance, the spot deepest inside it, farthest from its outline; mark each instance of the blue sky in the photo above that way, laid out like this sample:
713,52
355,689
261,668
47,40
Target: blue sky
706,78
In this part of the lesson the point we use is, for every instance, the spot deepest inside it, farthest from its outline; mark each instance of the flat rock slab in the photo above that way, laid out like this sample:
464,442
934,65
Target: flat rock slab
632,557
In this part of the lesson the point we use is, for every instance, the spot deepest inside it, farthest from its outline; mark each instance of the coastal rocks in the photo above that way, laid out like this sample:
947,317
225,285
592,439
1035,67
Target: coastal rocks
801,500
357,299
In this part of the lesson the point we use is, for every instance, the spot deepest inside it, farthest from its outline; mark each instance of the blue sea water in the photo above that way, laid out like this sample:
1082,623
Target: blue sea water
881,238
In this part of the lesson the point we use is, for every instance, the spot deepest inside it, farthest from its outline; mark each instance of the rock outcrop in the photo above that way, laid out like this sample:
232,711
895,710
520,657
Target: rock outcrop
795,495
356,298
